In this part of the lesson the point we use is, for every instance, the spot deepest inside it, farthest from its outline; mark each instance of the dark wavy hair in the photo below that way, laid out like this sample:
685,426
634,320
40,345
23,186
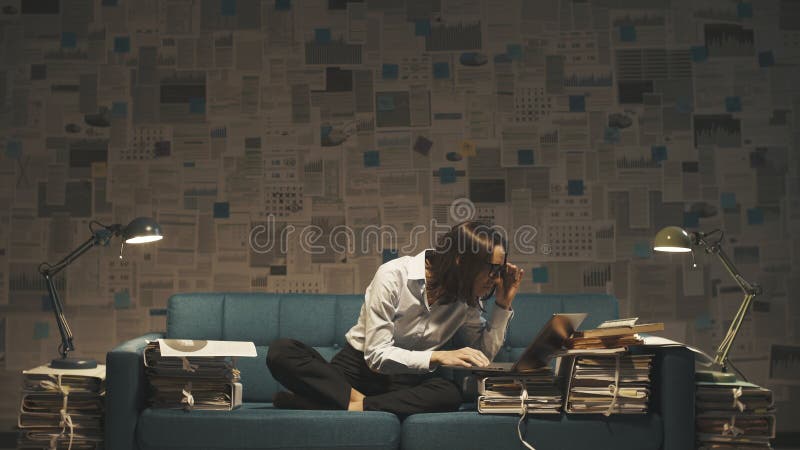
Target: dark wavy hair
471,243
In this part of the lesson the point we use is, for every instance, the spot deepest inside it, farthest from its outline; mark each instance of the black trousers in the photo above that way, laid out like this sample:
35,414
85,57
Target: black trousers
305,372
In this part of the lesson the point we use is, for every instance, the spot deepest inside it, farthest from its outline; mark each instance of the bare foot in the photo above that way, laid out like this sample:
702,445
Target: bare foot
356,405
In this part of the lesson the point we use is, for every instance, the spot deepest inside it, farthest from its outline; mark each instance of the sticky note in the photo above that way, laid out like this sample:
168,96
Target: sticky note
197,105
389,254
69,39
324,131
322,35
574,187
41,330
423,145
372,158
122,299
390,71
733,104
540,274
422,28
385,102
641,249
699,53
155,312
514,51
755,216
727,200
744,10
122,44
611,135
627,33
525,157
577,103
14,149
119,109
441,70
228,8
658,152
691,219
702,321
683,104
468,148
222,210
447,175
766,59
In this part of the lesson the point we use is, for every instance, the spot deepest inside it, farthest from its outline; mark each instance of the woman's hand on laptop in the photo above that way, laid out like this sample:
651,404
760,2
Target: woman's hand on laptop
466,357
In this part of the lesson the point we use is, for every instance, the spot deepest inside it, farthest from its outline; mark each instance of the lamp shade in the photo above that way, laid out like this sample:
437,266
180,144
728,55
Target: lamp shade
141,230
672,239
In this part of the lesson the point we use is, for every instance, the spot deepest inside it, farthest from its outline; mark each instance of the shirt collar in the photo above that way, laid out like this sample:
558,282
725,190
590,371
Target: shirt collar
416,268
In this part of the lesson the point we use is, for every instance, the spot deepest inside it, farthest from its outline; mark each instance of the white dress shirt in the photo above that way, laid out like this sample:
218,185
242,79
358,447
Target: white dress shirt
398,331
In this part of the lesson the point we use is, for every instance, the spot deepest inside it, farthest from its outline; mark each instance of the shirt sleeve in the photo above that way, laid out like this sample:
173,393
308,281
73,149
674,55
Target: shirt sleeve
380,306
486,336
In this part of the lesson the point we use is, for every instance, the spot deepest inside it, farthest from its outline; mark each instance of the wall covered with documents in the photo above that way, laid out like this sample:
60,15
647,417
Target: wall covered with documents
234,123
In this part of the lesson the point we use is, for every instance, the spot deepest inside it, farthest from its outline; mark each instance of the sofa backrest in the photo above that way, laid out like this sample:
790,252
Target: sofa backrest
321,321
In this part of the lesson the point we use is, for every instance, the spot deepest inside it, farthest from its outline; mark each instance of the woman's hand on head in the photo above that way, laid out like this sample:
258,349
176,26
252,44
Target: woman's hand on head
508,284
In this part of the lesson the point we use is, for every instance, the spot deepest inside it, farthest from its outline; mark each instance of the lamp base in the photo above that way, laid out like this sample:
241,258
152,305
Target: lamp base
73,363
714,376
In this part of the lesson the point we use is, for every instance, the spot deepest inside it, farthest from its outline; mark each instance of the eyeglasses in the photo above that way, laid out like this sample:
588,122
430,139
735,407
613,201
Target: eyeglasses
497,269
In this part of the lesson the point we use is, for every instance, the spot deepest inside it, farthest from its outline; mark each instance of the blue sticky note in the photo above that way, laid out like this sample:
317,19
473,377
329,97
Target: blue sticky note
197,105
385,102
727,200
642,249
322,35
627,33
691,219
389,254
228,8
766,59
702,321
525,157
390,71
699,53
755,216
69,39
577,103
514,51
611,135
283,5
540,274
744,10
733,104
447,175
683,104
119,109
41,330
574,187
122,299
422,28
658,152
372,158
222,210
122,44
14,149
441,70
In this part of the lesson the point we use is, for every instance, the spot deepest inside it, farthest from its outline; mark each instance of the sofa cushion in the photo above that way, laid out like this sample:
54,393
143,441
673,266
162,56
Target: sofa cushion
471,430
261,426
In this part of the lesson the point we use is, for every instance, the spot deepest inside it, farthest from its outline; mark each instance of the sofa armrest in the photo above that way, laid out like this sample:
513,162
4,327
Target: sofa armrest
674,394
126,392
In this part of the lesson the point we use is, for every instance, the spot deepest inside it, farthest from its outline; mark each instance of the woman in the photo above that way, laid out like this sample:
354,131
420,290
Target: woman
414,305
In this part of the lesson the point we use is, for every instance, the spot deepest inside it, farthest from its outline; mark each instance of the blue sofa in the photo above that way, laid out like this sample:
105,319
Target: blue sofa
322,321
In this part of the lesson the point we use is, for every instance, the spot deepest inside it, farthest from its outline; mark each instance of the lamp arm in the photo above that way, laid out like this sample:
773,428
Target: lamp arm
716,248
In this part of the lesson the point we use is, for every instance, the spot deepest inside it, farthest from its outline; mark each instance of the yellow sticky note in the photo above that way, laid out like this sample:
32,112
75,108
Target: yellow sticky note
467,148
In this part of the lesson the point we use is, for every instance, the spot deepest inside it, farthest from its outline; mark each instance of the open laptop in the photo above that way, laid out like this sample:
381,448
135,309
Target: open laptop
536,356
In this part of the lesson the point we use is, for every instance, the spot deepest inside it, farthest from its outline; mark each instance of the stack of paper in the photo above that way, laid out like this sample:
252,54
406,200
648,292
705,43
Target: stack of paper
612,334
504,394
195,374
609,383
735,415
62,408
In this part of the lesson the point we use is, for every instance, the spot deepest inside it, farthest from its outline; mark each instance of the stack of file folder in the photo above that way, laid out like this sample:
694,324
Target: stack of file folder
62,408
608,383
612,334
734,415
192,374
503,394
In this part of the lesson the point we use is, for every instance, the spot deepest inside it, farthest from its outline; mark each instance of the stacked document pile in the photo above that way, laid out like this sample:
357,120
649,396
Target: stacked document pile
734,415
62,408
609,383
504,394
195,374
612,334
